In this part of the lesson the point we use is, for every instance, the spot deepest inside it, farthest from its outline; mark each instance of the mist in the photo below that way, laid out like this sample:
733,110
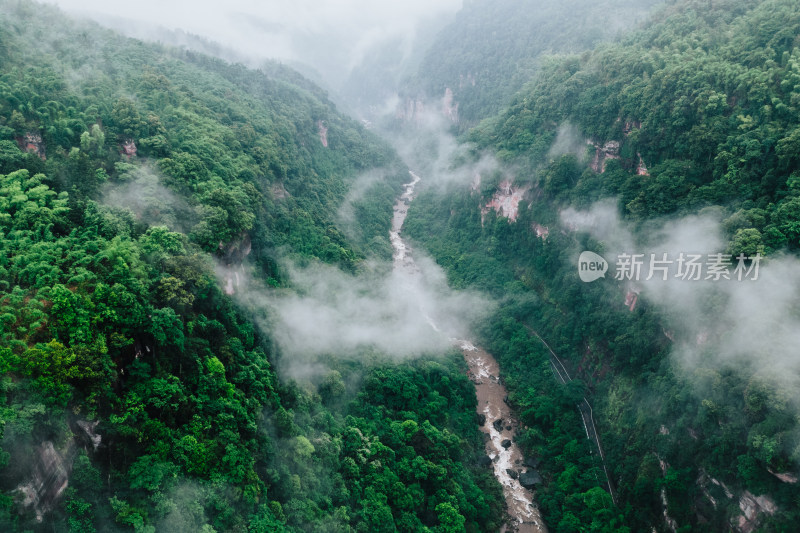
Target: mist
325,39
569,140
358,189
139,190
399,313
326,312
750,325
426,141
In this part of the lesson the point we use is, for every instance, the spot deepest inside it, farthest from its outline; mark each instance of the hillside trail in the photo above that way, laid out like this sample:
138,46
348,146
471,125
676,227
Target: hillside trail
500,425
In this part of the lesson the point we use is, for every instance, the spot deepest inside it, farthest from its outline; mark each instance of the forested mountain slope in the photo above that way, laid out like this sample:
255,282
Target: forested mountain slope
492,48
708,98
697,113
136,183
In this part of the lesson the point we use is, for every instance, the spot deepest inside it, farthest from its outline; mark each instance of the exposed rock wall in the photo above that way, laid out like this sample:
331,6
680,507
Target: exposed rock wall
32,142
411,111
610,150
48,480
465,80
323,133
641,168
786,477
752,507
506,200
128,148
41,489
278,191
631,299
541,231
233,255
449,106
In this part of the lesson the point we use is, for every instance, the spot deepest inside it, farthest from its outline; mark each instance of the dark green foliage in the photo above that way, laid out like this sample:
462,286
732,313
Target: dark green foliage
112,317
713,124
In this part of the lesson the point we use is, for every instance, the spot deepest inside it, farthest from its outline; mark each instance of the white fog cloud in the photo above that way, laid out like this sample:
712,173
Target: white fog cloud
752,326
569,140
332,36
402,313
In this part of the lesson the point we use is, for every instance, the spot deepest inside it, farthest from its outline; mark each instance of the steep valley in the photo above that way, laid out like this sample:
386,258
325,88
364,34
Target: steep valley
498,422
227,304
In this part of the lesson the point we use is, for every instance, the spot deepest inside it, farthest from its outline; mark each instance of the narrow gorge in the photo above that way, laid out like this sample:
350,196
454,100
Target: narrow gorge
516,474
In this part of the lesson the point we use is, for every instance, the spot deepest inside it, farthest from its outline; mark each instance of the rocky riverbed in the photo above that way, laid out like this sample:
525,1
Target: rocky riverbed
498,421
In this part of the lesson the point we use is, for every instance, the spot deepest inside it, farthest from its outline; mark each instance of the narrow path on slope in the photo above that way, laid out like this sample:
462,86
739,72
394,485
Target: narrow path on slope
584,408
501,424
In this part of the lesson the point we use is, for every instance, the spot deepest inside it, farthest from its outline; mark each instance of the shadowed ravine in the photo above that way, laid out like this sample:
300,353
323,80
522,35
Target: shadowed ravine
500,423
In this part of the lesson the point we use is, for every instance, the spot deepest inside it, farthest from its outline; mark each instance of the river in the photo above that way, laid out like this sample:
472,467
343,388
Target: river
484,372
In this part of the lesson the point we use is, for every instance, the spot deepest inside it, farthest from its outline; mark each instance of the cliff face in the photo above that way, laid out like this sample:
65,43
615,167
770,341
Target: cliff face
506,200
609,150
449,106
32,142
415,111
753,507
631,299
323,133
466,80
48,479
641,168
233,255
43,486
410,111
128,148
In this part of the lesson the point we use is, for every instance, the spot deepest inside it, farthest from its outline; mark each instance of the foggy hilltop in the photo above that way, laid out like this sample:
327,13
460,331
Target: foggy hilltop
347,266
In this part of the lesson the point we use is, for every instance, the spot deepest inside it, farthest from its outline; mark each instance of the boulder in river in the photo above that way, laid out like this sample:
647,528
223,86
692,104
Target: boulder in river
530,479
506,444
485,461
498,424
481,418
531,462
512,473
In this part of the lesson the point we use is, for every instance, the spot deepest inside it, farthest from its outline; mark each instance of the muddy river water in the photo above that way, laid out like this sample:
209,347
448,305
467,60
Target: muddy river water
501,425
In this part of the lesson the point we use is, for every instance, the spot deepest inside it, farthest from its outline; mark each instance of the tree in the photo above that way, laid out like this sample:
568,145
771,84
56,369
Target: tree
748,242
266,522
93,142
787,219
332,387
126,120
450,521
11,157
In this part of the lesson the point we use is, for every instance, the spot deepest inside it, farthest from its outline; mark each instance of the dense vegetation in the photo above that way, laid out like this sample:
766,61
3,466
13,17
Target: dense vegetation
713,115
115,327
492,48
707,95
134,178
